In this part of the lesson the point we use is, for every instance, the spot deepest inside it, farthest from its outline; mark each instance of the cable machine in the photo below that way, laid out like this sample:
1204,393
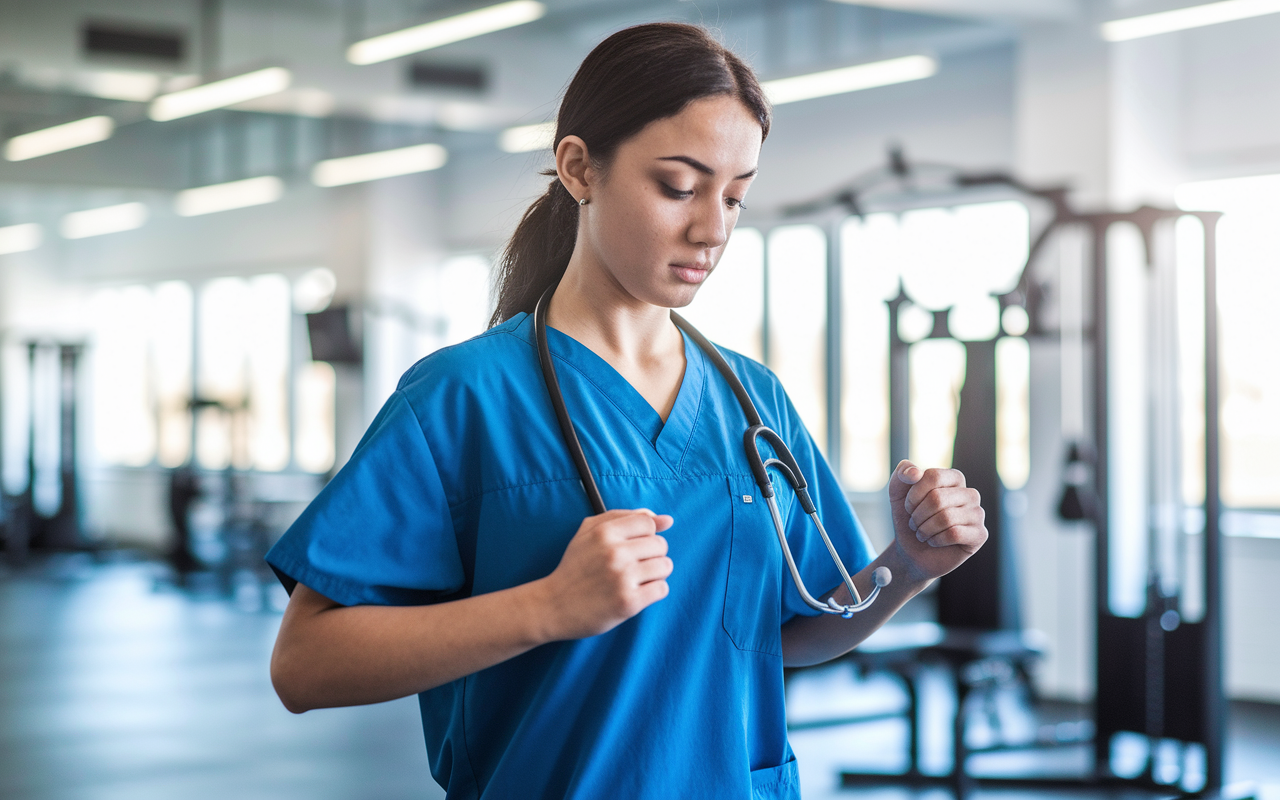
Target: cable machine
1158,660
56,367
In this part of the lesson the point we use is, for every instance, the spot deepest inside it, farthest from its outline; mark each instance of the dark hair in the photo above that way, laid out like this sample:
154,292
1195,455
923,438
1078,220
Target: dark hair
634,77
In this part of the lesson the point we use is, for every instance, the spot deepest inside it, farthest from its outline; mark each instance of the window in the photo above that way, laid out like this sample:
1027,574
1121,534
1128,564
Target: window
729,307
1248,288
951,260
171,351
797,309
124,424
462,297
315,389
243,347
869,278
236,334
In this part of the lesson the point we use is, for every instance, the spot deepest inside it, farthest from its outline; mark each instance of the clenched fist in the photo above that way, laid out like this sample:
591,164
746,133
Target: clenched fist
938,522
615,566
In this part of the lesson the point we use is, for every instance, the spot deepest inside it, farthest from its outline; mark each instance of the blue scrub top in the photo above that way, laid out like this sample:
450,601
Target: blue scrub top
463,485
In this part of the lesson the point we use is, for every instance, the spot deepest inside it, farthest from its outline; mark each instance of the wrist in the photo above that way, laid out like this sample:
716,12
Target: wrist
904,568
540,612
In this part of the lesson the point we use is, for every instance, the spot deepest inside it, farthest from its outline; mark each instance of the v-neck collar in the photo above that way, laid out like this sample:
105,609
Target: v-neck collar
670,440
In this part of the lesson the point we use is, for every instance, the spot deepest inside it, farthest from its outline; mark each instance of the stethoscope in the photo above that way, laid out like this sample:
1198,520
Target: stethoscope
784,461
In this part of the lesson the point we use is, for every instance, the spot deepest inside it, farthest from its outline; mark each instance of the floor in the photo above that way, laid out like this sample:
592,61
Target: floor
116,685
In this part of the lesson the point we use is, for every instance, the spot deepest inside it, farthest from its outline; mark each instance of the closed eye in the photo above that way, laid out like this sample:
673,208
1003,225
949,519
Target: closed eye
674,193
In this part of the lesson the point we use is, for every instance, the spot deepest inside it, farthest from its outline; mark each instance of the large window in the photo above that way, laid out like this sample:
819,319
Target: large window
797,311
209,368
243,364
1248,295
944,260
729,307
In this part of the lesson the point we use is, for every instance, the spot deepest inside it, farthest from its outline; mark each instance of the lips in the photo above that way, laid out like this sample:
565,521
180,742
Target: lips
691,273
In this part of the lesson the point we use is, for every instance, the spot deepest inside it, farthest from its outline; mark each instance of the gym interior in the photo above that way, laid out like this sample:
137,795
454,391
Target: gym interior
1034,240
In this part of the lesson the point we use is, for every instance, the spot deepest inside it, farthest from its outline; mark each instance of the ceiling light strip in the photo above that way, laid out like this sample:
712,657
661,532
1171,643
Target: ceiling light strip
99,221
59,138
227,196
20,238
445,31
220,94
375,166
850,79
526,138
1181,19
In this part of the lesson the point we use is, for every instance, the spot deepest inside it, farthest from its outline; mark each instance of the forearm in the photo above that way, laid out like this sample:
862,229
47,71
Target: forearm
330,655
813,640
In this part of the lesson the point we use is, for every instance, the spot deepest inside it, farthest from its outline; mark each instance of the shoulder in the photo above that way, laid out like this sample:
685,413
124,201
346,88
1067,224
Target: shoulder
765,389
493,355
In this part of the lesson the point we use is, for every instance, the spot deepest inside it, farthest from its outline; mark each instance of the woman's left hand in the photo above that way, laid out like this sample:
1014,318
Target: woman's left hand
937,520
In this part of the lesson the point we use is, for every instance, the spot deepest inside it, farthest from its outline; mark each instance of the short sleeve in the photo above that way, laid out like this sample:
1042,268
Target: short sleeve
841,523
380,532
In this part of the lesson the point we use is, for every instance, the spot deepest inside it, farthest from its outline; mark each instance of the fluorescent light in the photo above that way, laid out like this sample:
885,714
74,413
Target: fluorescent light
97,221
302,101
384,164
226,196
444,31
220,94
524,138
136,86
20,238
1180,19
849,79
59,137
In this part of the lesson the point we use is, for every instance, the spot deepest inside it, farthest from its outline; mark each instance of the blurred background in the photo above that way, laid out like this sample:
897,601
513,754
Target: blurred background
983,235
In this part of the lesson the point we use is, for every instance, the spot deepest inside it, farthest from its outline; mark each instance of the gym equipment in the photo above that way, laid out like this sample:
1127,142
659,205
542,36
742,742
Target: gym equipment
26,528
1159,658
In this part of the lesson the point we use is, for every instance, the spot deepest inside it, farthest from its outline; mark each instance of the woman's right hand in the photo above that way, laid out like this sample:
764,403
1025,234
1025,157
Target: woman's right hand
615,566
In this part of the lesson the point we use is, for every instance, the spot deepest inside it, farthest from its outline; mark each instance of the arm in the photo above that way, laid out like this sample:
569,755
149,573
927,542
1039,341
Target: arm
328,655
938,524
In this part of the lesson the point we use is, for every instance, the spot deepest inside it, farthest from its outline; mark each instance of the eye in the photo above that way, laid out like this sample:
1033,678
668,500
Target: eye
734,202
674,193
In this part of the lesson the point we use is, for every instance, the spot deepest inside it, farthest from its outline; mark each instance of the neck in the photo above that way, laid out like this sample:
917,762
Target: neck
593,308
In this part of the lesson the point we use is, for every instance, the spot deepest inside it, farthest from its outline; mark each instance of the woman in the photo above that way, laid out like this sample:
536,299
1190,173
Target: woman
557,652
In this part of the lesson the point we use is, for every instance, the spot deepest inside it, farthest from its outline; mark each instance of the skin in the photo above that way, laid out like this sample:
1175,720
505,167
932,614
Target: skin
657,221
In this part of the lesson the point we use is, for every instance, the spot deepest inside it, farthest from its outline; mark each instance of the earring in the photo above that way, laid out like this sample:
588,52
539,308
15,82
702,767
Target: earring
584,201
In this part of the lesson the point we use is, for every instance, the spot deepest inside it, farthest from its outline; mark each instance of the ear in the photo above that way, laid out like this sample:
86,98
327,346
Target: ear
573,166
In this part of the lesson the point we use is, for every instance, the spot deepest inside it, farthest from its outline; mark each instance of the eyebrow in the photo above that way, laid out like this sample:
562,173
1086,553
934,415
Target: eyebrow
703,168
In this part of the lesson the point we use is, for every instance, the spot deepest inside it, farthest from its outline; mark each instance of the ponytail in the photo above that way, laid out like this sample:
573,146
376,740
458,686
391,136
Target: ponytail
634,77
538,253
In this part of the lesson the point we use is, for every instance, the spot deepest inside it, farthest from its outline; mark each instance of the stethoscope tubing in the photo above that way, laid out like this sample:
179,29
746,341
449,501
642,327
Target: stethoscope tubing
783,461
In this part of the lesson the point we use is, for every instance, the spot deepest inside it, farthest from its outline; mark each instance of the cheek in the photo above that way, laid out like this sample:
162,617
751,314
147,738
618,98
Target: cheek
638,231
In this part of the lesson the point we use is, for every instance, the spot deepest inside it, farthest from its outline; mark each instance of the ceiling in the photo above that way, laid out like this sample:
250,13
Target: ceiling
48,75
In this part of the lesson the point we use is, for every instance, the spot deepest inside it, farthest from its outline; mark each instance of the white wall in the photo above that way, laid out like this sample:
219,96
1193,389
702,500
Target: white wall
1251,596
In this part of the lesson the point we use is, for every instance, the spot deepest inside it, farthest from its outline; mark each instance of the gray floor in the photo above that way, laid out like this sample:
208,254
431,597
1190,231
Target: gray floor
114,685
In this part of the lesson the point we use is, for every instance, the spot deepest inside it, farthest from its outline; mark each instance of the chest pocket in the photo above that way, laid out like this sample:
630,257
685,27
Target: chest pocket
753,593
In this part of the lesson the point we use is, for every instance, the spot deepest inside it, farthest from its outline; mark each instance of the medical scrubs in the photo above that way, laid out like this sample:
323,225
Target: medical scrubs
463,485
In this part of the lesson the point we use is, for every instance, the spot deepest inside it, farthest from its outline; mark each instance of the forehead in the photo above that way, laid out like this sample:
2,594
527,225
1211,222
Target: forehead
718,131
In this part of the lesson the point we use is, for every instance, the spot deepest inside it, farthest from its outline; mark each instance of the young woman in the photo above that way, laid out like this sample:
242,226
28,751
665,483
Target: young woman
636,653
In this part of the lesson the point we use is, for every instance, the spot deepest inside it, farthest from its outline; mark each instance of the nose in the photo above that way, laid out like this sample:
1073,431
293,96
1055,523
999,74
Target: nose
709,227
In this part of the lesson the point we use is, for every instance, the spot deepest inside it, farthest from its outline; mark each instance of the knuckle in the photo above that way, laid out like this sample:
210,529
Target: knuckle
618,562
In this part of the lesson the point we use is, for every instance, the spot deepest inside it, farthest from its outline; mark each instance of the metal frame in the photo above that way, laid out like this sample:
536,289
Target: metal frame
1142,670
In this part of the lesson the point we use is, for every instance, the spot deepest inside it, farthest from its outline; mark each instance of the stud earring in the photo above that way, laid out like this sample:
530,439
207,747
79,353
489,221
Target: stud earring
584,201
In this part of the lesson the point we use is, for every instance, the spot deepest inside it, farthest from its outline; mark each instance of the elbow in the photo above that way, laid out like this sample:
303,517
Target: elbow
287,685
